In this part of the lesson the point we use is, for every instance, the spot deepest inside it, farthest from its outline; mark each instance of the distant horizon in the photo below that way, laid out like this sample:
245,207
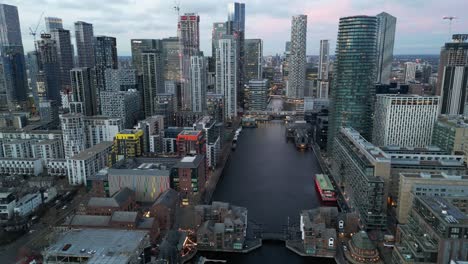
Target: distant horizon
420,27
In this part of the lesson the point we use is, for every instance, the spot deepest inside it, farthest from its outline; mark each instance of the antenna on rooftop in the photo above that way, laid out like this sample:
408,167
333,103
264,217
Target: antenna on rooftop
450,19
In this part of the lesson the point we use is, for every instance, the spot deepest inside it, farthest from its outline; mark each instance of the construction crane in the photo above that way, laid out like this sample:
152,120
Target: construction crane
34,32
450,19
177,8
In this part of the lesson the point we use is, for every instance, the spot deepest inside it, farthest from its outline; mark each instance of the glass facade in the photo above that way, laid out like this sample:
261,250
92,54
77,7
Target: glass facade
353,89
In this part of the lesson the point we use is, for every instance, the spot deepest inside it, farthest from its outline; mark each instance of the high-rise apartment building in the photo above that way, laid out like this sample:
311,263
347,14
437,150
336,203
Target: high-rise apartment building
53,23
219,30
84,90
121,79
453,76
404,120
84,37
73,131
129,143
13,82
62,39
297,61
253,67
235,26
152,70
189,45
257,95
226,74
105,55
410,72
198,76
101,128
49,66
353,91
323,69
125,105
386,25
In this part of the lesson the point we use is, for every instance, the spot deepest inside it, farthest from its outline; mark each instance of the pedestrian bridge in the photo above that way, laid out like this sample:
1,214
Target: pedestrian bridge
274,114
274,237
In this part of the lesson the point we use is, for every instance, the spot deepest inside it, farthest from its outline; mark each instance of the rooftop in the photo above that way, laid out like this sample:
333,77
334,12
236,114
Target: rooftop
110,246
361,240
168,198
115,201
94,150
441,176
371,152
190,162
190,133
444,209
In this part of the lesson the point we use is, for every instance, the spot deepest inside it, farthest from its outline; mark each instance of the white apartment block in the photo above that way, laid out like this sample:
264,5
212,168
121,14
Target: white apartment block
27,204
410,72
88,162
57,167
7,205
101,128
21,167
198,83
405,121
73,129
226,74
47,149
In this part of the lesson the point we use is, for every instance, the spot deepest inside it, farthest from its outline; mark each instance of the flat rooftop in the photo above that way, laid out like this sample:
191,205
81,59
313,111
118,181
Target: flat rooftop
90,152
434,176
111,246
364,146
190,133
444,209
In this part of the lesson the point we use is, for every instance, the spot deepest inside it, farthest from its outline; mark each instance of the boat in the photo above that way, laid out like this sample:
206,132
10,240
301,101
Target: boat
301,139
325,188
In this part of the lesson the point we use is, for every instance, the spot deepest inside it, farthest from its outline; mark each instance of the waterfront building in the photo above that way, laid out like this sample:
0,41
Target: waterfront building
453,75
190,142
353,91
88,162
406,121
323,70
362,171
129,143
125,105
152,67
215,106
189,178
213,137
222,226
13,76
74,139
226,74
362,249
318,231
253,66
385,41
453,187
84,90
164,208
105,55
84,37
188,31
100,128
297,60
53,23
198,83
62,39
321,132
435,233
410,72
257,94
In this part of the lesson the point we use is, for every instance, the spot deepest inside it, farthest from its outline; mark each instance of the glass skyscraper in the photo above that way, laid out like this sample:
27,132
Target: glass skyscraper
353,89
385,40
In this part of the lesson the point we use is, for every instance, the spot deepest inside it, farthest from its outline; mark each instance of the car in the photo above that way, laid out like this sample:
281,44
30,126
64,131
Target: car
345,248
64,207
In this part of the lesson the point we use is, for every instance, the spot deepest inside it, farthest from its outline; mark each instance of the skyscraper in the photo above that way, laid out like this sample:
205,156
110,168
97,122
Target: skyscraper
323,85
198,76
125,105
453,76
236,27
73,131
53,23
226,74
13,85
410,72
138,46
49,66
297,60
257,96
64,54
189,45
105,54
84,90
170,57
152,68
253,68
84,44
219,29
353,91
386,25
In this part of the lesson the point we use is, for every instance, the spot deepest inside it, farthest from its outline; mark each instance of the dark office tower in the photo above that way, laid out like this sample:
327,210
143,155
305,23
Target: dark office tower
189,45
353,89
152,68
386,25
138,46
105,55
253,68
64,55
53,23
84,90
13,83
84,44
49,66
170,53
219,30
32,69
453,76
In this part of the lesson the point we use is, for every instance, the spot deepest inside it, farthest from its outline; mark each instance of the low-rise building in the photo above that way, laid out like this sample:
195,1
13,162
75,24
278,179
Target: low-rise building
436,232
97,246
57,167
164,208
361,249
21,167
7,205
318,231
189,178
27,204
123,200
190,142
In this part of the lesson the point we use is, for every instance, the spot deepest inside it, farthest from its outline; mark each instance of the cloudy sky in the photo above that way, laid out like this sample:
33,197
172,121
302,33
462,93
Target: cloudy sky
420,28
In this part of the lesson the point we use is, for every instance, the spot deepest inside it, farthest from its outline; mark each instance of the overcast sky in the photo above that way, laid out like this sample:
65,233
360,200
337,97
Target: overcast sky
420,27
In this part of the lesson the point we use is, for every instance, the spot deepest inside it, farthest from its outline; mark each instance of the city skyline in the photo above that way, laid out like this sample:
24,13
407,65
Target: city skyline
271,24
